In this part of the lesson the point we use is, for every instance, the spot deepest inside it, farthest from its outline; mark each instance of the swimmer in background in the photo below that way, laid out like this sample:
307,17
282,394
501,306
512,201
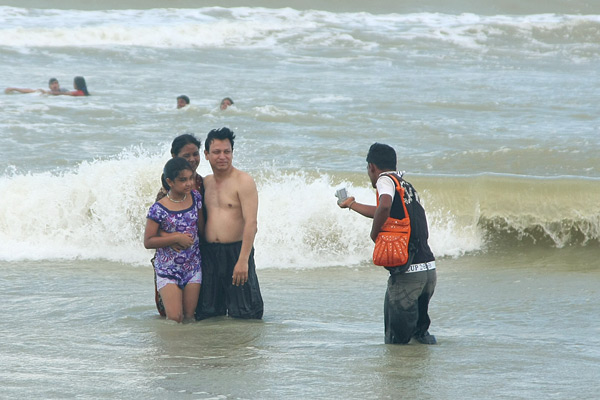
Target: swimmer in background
182,101
53,85
226,102
80,88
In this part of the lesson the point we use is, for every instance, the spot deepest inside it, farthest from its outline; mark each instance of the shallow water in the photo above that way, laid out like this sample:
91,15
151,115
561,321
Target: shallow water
506,328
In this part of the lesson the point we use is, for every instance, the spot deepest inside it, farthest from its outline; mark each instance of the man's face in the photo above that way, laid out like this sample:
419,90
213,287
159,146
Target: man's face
224,104
181,103
54,86
220,155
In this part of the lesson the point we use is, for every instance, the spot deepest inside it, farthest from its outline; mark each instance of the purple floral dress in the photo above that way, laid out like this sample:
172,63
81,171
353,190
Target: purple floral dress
178,266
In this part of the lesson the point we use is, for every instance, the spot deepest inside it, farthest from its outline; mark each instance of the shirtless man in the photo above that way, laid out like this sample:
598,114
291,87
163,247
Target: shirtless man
52,84
54,87
229,285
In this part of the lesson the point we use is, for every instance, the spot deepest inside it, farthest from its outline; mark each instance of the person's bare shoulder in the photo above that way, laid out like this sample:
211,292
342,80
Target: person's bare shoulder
244,179
208,179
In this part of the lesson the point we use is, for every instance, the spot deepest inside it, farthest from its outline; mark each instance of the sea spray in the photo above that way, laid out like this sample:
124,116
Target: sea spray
98,211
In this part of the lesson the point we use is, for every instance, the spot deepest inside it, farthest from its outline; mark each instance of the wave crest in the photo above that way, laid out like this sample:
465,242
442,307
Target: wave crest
293,31
97,211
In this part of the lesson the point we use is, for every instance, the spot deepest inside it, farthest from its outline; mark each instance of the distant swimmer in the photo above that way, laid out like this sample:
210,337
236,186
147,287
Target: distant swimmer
226,102
80,88
182,101
53,85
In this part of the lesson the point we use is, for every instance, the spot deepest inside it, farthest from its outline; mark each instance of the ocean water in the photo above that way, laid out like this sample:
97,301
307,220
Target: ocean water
492,109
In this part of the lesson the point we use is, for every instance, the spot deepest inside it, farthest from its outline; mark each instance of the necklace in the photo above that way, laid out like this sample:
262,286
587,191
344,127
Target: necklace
176,201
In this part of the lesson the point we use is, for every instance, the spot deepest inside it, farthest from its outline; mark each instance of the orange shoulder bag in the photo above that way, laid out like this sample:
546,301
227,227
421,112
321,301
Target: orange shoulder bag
391,245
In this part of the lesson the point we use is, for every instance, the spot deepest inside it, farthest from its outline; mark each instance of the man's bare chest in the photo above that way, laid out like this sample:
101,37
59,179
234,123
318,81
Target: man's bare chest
221,197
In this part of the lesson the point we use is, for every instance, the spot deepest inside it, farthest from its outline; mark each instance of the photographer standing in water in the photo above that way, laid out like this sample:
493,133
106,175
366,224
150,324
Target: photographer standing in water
410,286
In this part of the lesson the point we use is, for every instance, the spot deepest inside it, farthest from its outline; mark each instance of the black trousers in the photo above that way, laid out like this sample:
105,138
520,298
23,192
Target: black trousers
218,296
406,305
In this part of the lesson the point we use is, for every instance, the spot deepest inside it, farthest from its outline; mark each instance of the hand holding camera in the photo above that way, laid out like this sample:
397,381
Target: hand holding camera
342,195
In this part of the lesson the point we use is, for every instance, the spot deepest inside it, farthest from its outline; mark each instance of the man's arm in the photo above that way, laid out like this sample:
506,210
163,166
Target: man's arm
201,223
363,209
248,196
20,90
382,213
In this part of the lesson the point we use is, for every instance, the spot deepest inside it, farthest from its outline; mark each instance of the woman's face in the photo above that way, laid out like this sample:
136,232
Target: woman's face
192,155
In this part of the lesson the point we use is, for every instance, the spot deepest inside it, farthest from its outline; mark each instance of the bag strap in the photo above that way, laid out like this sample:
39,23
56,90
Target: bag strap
400,191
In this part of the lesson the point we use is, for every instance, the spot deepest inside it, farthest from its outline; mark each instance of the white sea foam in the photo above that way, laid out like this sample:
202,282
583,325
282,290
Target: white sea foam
331,99
274,111
97,211
347,79
292,30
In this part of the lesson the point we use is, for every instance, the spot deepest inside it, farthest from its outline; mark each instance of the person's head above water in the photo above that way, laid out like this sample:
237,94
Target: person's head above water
79,84
226,102
54,85
182,101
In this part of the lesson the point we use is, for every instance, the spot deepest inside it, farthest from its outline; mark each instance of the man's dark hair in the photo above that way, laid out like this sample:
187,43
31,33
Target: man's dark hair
220,134
383,156
52,80
184,98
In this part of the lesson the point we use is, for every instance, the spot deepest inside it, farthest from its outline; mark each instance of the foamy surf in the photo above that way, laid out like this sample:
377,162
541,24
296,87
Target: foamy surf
97,211
292,31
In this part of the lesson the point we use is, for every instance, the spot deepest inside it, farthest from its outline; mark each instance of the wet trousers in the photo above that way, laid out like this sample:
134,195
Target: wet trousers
406,305
218,296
